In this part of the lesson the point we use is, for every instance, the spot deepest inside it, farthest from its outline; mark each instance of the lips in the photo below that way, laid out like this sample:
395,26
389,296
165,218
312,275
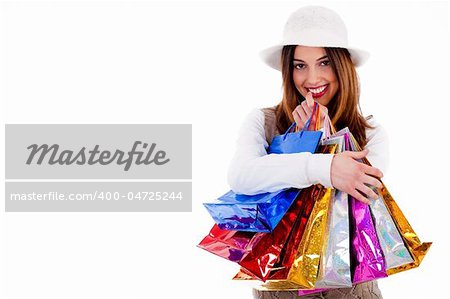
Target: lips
319,91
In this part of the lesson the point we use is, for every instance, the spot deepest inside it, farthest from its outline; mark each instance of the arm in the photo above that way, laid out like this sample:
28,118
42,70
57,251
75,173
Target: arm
355,178
253,171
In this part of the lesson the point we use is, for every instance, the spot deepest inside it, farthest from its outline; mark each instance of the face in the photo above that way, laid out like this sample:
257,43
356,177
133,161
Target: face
313,72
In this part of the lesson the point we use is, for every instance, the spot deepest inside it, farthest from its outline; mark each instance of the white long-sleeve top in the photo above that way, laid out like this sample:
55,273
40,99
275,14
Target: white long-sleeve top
253,171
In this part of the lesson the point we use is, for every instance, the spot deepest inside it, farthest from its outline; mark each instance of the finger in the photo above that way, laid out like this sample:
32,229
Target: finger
372,181
309,99
358,155
304,117
370,170
305,106
297,119
355,194
367,191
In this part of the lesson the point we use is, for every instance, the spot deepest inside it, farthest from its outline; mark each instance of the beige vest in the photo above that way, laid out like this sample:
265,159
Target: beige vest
270,123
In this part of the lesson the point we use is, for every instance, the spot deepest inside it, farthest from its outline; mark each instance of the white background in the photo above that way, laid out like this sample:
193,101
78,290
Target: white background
197,62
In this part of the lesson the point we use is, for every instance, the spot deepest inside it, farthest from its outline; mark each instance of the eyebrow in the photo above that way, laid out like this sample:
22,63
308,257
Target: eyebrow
316,60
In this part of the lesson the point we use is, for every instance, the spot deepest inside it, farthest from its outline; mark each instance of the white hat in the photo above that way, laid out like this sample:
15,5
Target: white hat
313,26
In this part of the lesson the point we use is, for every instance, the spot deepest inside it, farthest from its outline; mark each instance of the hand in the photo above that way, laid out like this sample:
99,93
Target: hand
303,111
353,177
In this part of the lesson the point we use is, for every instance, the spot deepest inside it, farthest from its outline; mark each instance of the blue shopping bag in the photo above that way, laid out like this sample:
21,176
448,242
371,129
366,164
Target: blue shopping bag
297,142
253,213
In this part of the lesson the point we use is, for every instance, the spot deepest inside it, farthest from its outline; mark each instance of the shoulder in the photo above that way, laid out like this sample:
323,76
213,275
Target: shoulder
260,122
255,115
269,113
260,115
271,109
254,120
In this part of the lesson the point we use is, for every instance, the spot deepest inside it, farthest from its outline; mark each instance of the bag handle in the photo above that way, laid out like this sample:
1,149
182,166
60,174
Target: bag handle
358,148
308,122
315,112
329,128
318,118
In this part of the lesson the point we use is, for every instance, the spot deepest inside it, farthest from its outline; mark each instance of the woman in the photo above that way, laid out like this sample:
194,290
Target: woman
317,64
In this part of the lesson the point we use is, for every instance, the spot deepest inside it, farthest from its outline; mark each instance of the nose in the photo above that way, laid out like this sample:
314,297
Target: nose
314,77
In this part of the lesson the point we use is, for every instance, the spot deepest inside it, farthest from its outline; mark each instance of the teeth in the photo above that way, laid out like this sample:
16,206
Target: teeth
317,90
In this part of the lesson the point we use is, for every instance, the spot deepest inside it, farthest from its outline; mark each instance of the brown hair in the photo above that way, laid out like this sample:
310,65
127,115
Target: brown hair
343,109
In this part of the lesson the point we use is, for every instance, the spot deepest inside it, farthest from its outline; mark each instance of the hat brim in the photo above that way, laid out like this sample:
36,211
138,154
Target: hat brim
272,56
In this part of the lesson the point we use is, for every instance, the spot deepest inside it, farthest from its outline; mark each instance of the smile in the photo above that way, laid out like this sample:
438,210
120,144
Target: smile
317,92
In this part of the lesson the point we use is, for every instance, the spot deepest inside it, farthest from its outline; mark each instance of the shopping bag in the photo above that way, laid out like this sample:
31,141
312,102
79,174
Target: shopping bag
304,269
368,260
254,213
287,255
390,240
416,248
263,256
394,249
298,142
277,273
334,267
367,256
229,244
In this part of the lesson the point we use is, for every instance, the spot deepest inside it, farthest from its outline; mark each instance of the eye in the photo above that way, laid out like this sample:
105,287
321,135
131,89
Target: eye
299,66
325,63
